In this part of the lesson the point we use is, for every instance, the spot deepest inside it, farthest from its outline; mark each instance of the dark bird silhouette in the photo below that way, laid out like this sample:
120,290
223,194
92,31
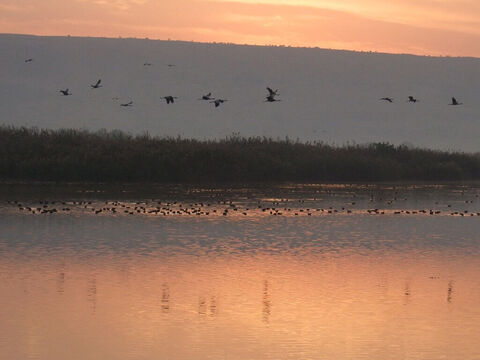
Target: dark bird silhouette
272,92
207,97
28,60
271,98
97,84
412,99
170,99
455,102
127,104
65,92
390,100
147,64
218,102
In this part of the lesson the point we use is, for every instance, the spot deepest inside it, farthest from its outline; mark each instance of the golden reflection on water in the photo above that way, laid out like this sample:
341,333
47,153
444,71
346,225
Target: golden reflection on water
251,307
340,285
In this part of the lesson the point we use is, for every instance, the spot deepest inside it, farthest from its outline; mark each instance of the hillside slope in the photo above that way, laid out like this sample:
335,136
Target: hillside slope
326,95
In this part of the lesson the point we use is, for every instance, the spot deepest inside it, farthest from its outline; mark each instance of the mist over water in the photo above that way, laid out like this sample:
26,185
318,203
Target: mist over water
341,283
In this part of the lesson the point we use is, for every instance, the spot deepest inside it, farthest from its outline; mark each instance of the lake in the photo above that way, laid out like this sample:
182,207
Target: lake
337,271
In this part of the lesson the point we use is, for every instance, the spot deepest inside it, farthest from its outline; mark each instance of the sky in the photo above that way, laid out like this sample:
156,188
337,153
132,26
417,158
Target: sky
428,27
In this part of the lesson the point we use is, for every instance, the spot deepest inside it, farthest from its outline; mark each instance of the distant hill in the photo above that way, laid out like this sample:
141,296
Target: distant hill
327,95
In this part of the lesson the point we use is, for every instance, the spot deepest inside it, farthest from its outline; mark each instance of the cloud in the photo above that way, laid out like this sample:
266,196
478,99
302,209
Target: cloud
423,27
122,5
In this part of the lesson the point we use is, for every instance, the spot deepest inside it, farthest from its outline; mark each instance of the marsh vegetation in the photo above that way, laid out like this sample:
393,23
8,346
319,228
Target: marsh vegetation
113,156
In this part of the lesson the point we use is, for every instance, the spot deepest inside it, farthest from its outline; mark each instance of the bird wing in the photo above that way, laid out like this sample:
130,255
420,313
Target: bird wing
98,82
270,91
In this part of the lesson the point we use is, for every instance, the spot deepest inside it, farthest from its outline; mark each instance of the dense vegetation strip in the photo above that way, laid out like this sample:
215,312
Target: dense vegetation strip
114,156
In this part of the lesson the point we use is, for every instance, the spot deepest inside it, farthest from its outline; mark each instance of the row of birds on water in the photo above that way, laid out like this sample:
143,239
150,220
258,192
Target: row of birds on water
224,208
271,96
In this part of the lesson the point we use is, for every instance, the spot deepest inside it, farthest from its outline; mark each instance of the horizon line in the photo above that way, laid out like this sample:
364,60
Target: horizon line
242,44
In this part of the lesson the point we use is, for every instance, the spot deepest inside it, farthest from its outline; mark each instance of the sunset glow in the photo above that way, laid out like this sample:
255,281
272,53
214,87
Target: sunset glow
430,27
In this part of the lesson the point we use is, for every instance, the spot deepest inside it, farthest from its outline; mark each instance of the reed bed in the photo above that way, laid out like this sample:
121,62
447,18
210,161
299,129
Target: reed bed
65,155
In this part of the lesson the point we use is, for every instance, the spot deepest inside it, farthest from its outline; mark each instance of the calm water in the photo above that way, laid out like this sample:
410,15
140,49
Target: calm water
293,272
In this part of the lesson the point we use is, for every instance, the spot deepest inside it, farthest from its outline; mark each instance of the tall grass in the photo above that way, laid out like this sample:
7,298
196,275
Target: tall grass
114,156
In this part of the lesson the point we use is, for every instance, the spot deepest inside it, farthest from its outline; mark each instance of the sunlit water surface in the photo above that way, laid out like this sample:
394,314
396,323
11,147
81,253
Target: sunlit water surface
340,283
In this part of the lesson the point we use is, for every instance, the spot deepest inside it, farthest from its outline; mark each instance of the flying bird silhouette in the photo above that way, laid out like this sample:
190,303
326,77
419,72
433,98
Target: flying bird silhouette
97,84
390,100
412,99
127,104
28,60
455,102
271,98
65,92
207,97
170,99
218,102
272,92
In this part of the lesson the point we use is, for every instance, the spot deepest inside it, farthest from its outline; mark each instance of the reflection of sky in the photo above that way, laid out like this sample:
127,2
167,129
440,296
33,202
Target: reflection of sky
347,286
267,306
426,27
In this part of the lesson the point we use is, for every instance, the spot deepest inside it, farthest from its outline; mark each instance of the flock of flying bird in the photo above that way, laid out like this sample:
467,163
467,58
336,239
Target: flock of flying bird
413,100
271,97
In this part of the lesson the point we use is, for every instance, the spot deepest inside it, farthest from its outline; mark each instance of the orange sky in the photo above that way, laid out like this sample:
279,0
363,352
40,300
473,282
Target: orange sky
428,27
